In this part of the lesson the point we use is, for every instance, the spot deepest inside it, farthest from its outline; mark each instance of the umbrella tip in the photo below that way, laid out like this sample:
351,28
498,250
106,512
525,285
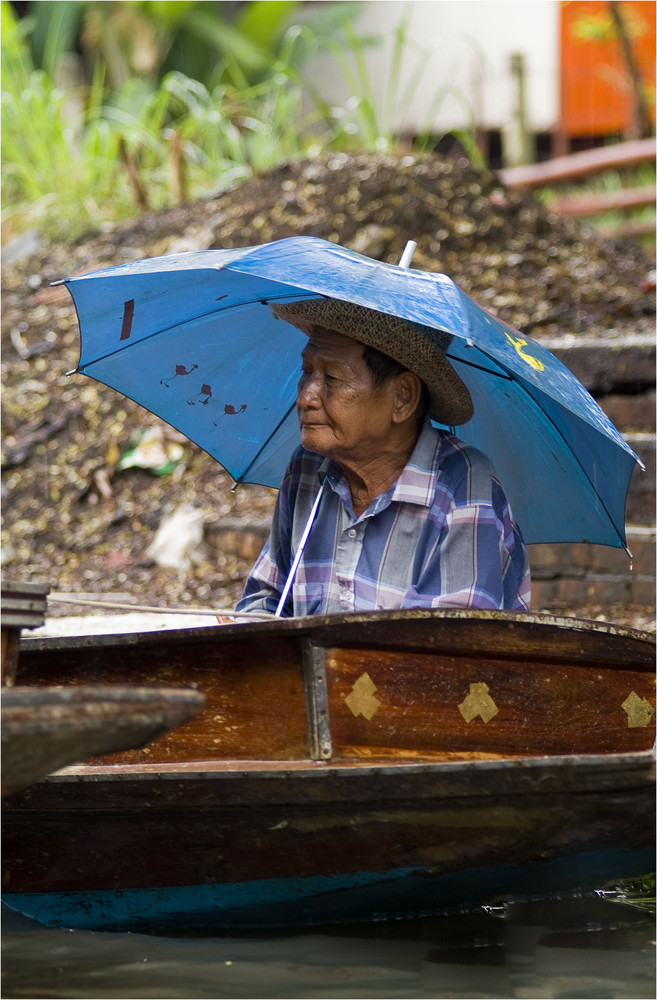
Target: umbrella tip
407,256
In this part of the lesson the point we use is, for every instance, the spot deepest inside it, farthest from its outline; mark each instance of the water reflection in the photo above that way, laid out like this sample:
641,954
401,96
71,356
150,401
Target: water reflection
589,946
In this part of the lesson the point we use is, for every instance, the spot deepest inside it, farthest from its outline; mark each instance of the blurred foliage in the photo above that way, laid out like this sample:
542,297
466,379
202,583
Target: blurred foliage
110,108
599,26
97,96
369,118
150,38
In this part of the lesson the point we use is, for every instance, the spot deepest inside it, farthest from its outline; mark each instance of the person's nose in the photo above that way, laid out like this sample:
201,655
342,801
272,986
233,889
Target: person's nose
308,395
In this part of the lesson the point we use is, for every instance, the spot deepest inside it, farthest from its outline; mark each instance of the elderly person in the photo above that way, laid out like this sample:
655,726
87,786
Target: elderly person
410,516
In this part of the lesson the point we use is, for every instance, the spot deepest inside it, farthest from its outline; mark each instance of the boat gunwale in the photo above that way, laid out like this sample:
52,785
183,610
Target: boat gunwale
308,768
325,625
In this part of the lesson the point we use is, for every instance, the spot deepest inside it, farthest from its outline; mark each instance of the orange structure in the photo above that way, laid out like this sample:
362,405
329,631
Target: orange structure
597,97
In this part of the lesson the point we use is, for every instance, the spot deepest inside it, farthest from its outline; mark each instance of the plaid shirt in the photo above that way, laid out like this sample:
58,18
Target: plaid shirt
442,536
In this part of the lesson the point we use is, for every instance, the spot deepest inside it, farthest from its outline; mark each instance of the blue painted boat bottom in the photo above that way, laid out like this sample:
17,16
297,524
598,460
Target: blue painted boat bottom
289,902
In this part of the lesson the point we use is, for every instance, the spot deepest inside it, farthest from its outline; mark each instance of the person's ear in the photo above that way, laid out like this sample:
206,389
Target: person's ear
407,394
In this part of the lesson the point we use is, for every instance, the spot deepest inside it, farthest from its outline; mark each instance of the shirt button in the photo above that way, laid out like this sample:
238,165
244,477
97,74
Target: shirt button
352,532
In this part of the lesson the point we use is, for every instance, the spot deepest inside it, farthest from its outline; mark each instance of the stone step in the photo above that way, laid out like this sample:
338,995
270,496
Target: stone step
608,364
600,591
562,574
239,538
641,496
245,539
630,413
552,560
581,574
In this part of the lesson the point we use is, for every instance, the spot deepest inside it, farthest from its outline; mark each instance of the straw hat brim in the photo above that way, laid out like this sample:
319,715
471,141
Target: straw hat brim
419,348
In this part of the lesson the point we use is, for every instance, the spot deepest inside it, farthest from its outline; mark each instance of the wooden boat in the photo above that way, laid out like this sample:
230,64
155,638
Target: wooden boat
43,729
357,767
22,605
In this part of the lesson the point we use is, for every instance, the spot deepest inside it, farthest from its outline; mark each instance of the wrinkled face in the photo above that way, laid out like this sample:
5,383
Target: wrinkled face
341,415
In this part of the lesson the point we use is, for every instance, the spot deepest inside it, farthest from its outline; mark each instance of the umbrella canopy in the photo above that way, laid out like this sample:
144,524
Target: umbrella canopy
191,338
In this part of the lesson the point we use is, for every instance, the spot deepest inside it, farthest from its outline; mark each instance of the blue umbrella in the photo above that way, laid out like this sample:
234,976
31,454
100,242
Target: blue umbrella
191,338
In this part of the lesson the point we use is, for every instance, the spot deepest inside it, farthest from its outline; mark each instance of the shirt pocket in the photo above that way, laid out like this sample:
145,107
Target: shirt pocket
309,599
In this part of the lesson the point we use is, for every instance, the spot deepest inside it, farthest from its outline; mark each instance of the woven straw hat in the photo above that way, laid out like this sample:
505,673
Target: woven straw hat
418,348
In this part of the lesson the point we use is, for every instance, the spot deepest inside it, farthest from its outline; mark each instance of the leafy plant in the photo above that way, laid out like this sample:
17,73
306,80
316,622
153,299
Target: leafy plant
54,160
143,133
370,120
68,164
207,40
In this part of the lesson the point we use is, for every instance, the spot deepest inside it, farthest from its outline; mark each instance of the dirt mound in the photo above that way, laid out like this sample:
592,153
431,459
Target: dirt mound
73,520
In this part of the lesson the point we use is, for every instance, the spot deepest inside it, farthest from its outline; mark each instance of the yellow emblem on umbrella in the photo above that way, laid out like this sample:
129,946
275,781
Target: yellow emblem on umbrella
519,343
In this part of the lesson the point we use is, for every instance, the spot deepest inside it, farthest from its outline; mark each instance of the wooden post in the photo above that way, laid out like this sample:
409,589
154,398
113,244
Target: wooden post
178,171
23,606
138,189
569,169
477,85
516,142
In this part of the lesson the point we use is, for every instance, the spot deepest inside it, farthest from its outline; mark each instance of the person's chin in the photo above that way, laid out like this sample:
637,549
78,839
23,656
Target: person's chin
315,438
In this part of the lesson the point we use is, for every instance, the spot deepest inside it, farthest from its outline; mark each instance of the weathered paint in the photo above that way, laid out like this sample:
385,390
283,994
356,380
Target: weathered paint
362,896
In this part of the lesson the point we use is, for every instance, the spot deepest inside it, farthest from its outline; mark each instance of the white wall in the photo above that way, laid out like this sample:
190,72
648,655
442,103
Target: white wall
469,44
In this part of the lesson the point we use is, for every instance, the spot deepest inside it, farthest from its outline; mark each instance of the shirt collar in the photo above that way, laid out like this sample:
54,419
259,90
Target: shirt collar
417,482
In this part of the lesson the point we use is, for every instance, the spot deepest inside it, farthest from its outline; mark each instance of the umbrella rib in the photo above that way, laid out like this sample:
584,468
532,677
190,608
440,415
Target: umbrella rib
176,326
577,460
128,344
471,364
273,434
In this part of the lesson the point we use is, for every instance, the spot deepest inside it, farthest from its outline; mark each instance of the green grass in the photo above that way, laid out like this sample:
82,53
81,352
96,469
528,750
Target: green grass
67,156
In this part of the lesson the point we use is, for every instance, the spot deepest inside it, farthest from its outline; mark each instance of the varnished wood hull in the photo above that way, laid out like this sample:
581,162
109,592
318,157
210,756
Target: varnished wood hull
304,794
257,845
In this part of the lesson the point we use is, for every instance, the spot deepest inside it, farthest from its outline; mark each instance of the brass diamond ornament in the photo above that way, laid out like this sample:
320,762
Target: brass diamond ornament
361,701
639,711
478,702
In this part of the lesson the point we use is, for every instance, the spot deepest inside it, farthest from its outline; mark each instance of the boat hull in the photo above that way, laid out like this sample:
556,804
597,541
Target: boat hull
316,843
345,768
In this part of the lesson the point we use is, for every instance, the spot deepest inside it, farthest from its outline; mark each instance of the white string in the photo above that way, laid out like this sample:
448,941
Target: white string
61,598
404,262
297,558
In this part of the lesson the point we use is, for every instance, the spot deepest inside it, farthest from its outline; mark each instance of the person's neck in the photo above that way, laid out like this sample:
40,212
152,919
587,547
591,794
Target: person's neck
369,479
